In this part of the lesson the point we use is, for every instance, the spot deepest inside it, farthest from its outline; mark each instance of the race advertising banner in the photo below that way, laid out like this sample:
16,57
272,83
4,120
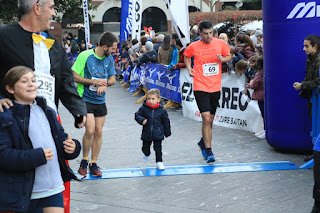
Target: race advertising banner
86,21
126,74
134,79
137,17
158,76
236,110
126,19
188,102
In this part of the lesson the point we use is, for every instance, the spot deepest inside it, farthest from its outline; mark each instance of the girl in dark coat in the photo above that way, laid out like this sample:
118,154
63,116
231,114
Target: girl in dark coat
156,125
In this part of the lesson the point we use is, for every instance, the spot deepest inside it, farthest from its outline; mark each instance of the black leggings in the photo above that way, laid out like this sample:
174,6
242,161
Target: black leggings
156,146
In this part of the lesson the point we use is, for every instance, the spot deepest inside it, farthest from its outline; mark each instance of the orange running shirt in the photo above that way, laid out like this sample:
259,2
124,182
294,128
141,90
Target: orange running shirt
206,65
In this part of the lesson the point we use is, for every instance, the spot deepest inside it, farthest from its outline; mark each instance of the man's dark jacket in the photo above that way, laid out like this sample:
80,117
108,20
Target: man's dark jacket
16,49
18,159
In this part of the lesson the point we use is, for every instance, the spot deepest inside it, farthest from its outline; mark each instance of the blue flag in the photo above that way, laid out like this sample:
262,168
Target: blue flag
126,20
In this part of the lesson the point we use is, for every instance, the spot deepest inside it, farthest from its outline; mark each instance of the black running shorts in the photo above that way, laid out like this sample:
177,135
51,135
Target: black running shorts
98,110
207,102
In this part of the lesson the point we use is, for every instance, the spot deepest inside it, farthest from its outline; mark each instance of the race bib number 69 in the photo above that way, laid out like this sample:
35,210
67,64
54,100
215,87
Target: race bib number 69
210,69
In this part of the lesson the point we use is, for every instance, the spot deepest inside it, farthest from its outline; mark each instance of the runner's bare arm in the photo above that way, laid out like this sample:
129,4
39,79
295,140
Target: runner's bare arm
225,59
111,80
82,80
101,90
187,61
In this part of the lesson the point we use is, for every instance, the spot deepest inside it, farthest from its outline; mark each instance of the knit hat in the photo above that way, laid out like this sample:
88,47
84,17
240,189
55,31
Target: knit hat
160,37
149,46
257,33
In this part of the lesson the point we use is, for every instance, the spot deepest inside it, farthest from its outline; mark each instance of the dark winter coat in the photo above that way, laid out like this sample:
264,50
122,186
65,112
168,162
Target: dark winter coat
158,123
245,50
311,79
148,57
17,50
18,159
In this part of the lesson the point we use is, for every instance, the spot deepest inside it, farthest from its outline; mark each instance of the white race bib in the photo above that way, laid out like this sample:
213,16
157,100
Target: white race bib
210,69
93,87
46,85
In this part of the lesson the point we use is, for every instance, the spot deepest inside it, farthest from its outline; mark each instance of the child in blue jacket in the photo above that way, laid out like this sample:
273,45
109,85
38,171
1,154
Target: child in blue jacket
33,149
156,125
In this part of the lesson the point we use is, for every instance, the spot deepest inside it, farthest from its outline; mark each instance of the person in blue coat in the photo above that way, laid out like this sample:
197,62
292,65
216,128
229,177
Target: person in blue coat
156,125
33,149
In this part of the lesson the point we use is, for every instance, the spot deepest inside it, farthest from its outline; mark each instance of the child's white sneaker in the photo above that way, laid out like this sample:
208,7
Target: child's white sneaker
145,158
259,133
262,135
160,166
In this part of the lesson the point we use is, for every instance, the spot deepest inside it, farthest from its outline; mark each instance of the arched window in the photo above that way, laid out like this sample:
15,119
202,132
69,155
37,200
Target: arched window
193,9
112,15
155,18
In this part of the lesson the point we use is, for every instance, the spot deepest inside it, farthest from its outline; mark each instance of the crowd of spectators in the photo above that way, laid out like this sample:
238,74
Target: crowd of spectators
167,49
246,49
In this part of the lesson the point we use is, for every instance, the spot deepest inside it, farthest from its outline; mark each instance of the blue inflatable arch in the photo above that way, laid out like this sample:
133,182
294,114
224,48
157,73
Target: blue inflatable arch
286,24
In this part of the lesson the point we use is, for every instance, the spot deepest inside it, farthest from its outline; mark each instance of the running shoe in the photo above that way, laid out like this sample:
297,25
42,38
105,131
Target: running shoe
202,148
83,167
95,170
210,156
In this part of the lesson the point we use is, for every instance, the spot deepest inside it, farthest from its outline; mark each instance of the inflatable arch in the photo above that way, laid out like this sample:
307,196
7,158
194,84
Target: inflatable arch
286,24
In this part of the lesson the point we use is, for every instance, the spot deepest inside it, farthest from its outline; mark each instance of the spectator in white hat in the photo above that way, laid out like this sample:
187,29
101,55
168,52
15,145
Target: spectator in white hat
257,38
159,42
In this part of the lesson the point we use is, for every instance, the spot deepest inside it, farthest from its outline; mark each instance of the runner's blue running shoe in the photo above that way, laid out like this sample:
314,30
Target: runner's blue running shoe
210,157
202,148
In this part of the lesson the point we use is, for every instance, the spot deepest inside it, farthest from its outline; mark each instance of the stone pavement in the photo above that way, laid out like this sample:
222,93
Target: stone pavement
242,192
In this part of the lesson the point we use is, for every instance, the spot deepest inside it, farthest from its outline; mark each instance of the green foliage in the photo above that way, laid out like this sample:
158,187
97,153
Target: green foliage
8,10
72,9
252,5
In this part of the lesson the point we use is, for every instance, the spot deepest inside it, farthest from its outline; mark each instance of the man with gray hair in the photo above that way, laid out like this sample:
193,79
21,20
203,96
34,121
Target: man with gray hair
150,55
29,44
